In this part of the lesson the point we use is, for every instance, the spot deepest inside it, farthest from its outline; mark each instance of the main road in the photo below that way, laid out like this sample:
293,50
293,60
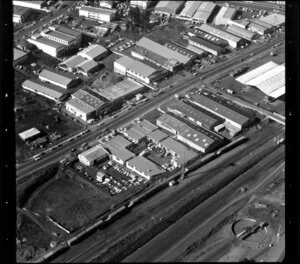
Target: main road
31,166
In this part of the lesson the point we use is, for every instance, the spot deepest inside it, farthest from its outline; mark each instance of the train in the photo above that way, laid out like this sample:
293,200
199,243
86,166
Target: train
52,253
116,213
231,145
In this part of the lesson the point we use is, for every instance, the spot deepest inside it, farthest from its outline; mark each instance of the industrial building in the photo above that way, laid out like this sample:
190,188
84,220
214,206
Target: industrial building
20,14
93,52
269,78
235,121
239,23
58,79
144,167
202,141
275,20
84,105
156,136
121,90
232,40
136,133
196,116
196,32
49,91
136,69
79,64
260,27
206,45
169,8
19,56
101,14
92,155
30,134
116,148
142,4
197,11
147,125
241,32
181,49
159,54
225,15
182,153
30,4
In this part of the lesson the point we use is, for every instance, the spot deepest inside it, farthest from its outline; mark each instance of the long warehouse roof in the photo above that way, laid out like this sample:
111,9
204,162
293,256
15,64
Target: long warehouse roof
93,153
244,33
56,77
145,166
190,8
273,19
219,33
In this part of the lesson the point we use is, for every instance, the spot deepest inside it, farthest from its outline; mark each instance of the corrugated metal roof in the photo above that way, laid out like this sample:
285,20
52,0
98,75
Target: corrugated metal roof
277,93
273,19
68,31
48,42
93,153
52,76
60,35
207,6
157,135
219,33
29,133
162,50
206,44
195,49
73,61
226,12
170,7
80,106
134,134
88,98
87,65
147,125
190,8
146,166
92,51
244,33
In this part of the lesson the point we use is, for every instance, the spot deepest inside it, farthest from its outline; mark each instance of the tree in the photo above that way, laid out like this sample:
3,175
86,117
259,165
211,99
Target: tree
134,16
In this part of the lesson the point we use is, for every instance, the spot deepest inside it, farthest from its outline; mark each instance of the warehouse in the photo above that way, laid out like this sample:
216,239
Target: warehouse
30,134
181,152
156,136
204,12
49,91
275,20
117,149
147,125
192,114
71,63
58,79
169,8
121,90
225,15
160,54
19,56
138,70
92,155
142,4
207,36
101,14
144,167
53,48
93,52
206,45
189,9
239,23
269,78
20,14
259,27
232,40
84,105
30,4
235,121
243,33
181,49
202,141
136,133
87,67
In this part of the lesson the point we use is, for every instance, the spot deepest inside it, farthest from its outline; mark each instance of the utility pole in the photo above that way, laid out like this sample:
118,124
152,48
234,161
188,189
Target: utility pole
183,167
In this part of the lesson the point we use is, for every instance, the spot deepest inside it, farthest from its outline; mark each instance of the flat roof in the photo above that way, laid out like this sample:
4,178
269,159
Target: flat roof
45,88
29,133
136,66
47,42
184,153
170,7
219,33
190,8
145,166
59,35
180,49
66,31
20,10
96,10
119,89
157,135
93,153
87,98
257,26
73,61
87,65
162,50
198,138
219,109
195,49
244,33
226,12
190,111
209,37
80,106
206,43
147,125
19,54
92,51
134,134
204,10
273,19
53,76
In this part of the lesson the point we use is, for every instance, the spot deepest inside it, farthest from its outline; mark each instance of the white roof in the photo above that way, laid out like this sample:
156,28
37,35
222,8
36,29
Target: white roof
226,12
190,8
92,51
87,65
273,19
145,166
56,77
29,133
244,33
93,153
73,61
277,93
18,54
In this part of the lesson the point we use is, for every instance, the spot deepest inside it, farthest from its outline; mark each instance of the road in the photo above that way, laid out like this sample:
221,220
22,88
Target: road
196,223
31,166
95,243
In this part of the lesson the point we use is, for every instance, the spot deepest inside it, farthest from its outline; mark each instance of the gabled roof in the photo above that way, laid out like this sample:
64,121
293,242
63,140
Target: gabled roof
92,51
53,76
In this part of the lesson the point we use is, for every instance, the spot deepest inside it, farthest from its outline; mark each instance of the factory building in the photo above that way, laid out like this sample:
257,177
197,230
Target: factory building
260,27
206,45
19,56
49,91
241,32
196,32
100,14
182,50
92,155
84,105
116,148
198,117
156,136
269,78
142,4
235,121
30,4
239,23
168,8
144,167
148,125
232,40
203,141
225,15
136,133
58,79
137,70
159,54
93,52
20,14
275,20
30,134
